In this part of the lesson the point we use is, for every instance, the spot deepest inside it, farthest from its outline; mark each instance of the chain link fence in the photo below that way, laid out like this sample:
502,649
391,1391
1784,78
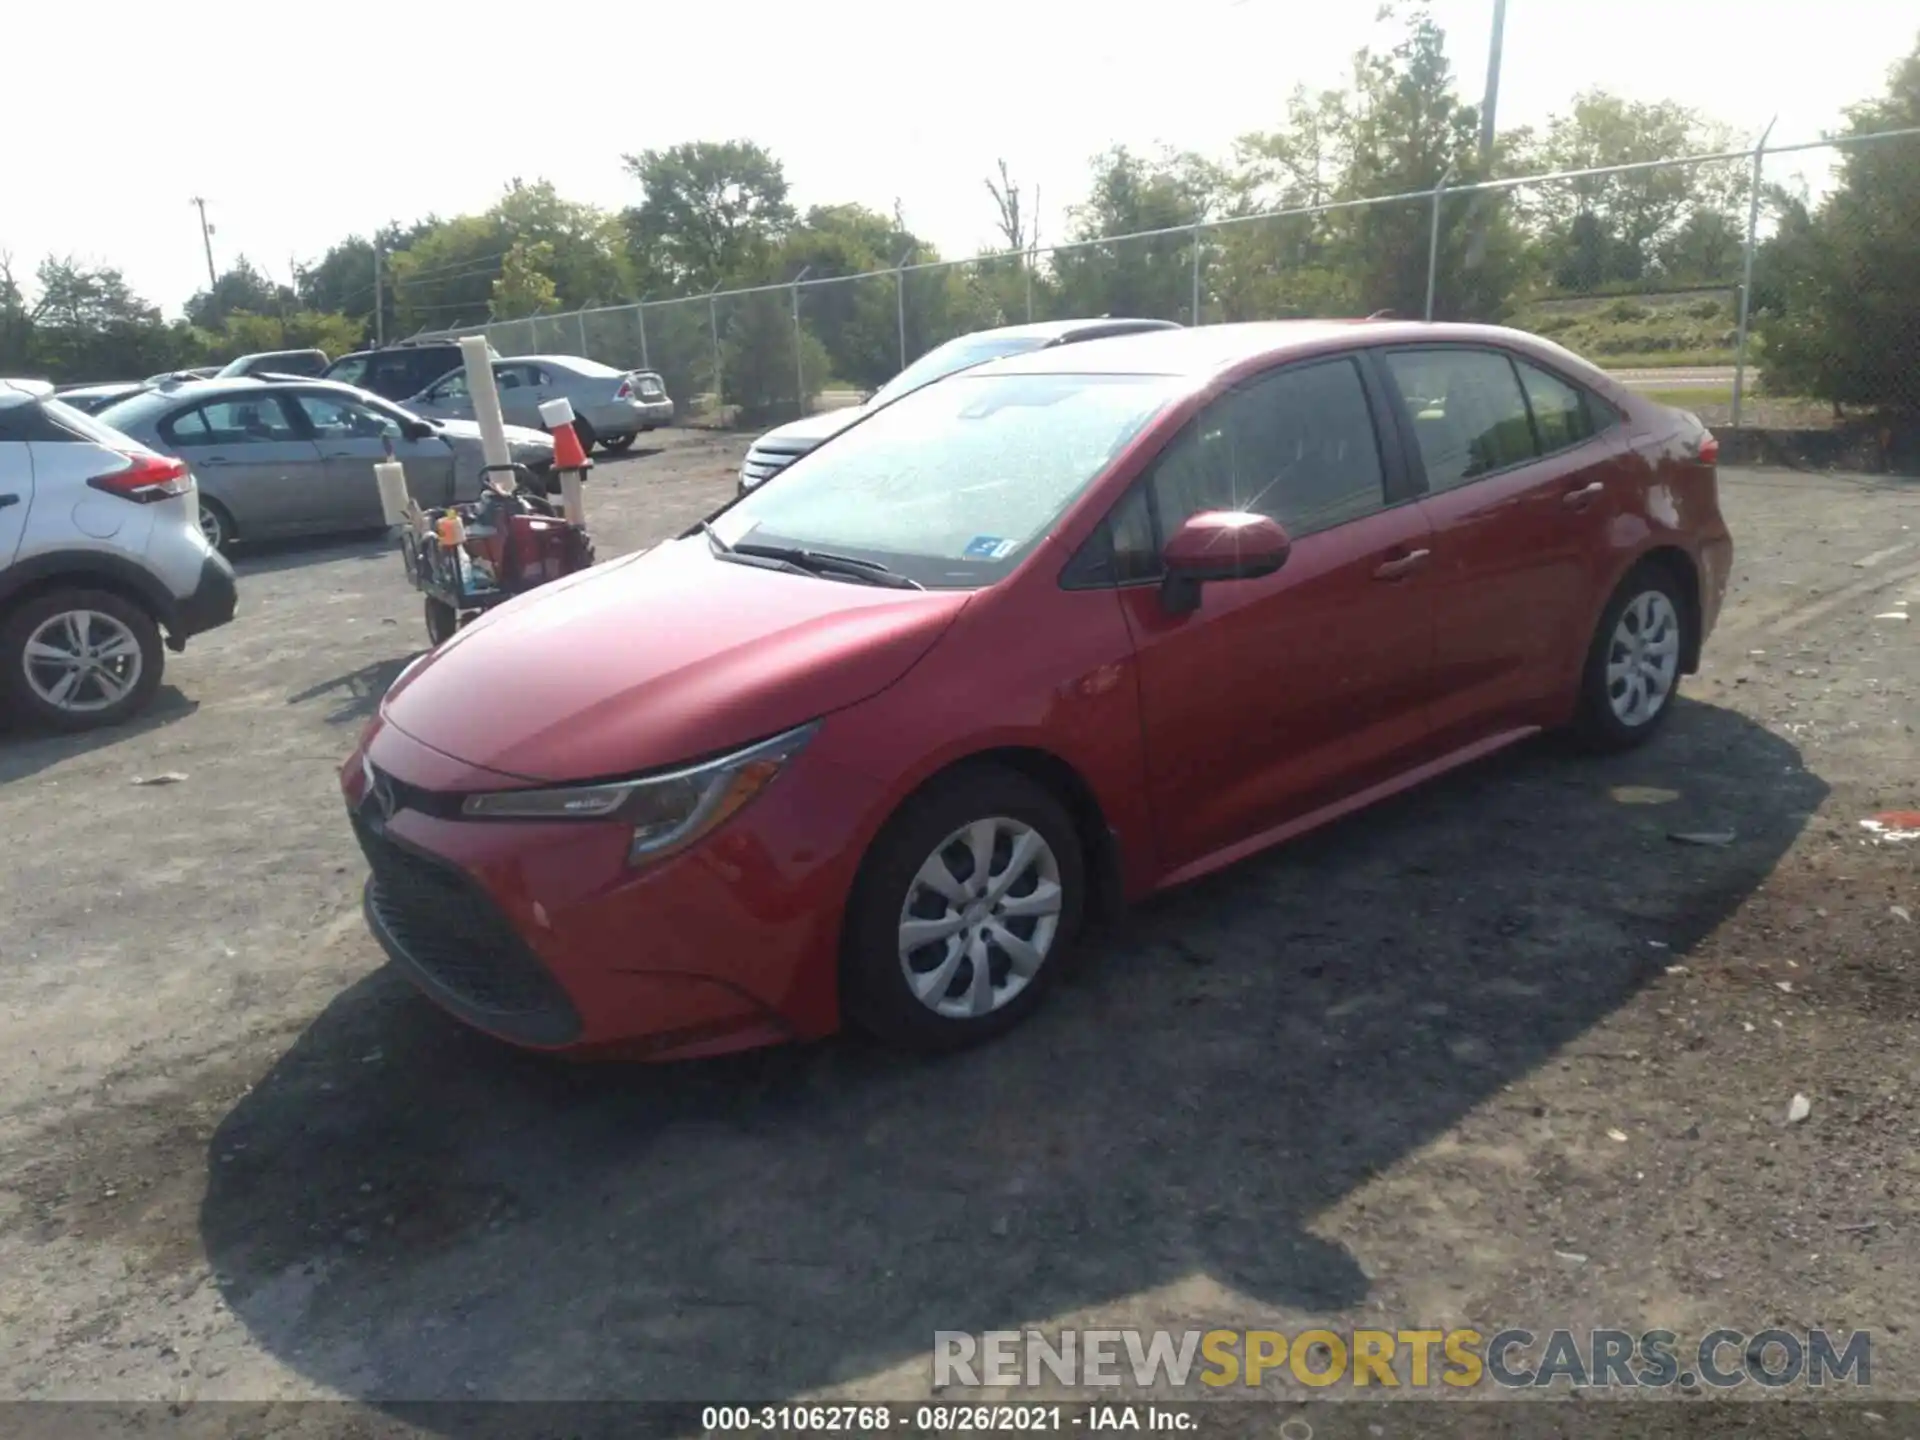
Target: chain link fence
1714,281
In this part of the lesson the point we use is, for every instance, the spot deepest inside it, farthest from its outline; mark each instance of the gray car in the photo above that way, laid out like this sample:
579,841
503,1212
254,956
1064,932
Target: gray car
611,407
779,448
295,457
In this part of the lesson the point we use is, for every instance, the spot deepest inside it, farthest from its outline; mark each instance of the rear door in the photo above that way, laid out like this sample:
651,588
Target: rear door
520,384
1284,694
354,437
16,478
1523,481
249,453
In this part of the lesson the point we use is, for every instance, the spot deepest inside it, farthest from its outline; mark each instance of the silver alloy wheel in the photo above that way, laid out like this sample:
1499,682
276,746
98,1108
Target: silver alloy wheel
82,661
980,917
1643,658
211,527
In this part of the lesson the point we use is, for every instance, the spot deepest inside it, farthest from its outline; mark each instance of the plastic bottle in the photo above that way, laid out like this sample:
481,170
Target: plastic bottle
449,529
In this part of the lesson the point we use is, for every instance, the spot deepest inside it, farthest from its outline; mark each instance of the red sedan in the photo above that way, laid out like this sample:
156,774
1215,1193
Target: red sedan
878,739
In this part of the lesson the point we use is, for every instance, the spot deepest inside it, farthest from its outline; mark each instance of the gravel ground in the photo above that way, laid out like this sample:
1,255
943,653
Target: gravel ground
1499,1052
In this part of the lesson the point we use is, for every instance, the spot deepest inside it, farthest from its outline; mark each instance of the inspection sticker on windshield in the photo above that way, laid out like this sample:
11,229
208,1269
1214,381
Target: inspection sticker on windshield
989,547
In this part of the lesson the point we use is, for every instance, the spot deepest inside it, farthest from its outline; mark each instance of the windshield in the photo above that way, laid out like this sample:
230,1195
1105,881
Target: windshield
955,355
136,409
953,485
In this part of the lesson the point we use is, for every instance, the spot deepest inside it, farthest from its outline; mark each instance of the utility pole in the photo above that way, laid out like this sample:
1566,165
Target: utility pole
379,305
1493,85
206,240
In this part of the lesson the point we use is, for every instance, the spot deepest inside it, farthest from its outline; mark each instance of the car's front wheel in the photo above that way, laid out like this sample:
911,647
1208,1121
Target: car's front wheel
79,660
963,911
1633,665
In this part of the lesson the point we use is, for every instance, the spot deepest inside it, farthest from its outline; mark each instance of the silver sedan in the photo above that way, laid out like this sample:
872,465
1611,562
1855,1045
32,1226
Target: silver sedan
611,407
295,457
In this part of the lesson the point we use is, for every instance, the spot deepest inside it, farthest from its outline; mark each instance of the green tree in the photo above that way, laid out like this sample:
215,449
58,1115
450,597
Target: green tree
1609,230
1150,277
241,288
857,321
710,214
523,287
1839,285
760,377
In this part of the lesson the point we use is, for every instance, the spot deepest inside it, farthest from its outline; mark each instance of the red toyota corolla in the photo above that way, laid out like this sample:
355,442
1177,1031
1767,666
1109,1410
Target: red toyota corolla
876,740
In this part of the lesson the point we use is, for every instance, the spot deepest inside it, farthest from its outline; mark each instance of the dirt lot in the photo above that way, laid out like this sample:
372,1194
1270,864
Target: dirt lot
1499,1053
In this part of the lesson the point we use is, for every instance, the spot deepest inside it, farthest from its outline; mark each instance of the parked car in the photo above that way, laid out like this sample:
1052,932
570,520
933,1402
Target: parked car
292,363
100,555
398,372
780,447
295,457
197,372
1056,633
92,399
610,406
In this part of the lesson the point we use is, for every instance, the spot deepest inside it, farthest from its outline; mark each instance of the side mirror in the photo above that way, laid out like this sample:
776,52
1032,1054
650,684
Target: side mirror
416,430
1219,545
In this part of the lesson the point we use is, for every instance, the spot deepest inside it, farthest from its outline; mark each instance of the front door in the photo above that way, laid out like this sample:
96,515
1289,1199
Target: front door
250,455
16,489
354,437
520,385
1284,694
1524,476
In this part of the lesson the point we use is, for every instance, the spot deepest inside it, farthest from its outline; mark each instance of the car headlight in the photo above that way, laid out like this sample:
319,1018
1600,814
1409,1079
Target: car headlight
668,812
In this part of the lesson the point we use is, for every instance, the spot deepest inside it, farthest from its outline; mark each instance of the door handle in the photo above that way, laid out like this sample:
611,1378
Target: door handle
1584,496
1401,565
215,460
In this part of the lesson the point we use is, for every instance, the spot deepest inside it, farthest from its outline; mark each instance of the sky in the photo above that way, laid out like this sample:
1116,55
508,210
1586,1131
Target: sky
302,122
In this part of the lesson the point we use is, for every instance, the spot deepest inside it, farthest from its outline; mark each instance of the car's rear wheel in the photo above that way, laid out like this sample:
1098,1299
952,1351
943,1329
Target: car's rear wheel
215,523
79,660
963,911
1633,666
619,444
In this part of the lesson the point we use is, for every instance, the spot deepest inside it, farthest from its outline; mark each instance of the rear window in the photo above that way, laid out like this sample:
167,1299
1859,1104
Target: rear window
142,409
52,422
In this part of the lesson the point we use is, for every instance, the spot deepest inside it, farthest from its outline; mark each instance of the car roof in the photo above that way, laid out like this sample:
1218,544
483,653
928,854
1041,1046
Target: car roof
1210,349
1055,332
22,392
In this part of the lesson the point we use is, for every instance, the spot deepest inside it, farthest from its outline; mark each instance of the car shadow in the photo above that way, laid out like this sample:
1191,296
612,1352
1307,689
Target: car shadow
25,751
267,557
356,695
401,1210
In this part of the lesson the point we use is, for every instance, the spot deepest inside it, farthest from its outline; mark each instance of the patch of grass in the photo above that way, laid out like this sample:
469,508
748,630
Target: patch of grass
1627,333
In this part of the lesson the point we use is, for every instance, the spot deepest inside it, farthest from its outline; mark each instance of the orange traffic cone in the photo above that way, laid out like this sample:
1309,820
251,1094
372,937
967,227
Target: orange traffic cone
568,454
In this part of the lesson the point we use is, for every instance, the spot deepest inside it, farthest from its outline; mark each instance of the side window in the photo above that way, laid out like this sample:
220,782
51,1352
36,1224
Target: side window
451,387
250,421
393,374
337,418
351,371
1297,445
1468,413
1562,414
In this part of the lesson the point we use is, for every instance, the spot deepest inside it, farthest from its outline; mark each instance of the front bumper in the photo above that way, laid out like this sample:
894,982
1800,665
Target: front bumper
541,934
212,604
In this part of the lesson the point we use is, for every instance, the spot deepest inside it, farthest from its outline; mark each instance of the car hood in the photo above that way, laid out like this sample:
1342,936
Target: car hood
518,436
799,436
657,660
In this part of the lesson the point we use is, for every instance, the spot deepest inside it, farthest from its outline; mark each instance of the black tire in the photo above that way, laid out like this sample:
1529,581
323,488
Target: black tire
216,524
442,621
585,434
1598,725
20,698
619,444
875,992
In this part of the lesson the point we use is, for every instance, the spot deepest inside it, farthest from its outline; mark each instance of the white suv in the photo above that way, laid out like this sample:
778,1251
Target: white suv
100,551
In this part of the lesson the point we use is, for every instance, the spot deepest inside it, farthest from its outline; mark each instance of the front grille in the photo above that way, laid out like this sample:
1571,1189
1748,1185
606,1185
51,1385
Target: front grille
437,922
764,464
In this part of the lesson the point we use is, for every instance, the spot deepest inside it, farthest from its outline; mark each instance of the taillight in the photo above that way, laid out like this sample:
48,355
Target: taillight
1709,449
146,479
625,392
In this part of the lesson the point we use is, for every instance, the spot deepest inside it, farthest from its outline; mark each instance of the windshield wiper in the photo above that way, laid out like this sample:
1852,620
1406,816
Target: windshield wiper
871,572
